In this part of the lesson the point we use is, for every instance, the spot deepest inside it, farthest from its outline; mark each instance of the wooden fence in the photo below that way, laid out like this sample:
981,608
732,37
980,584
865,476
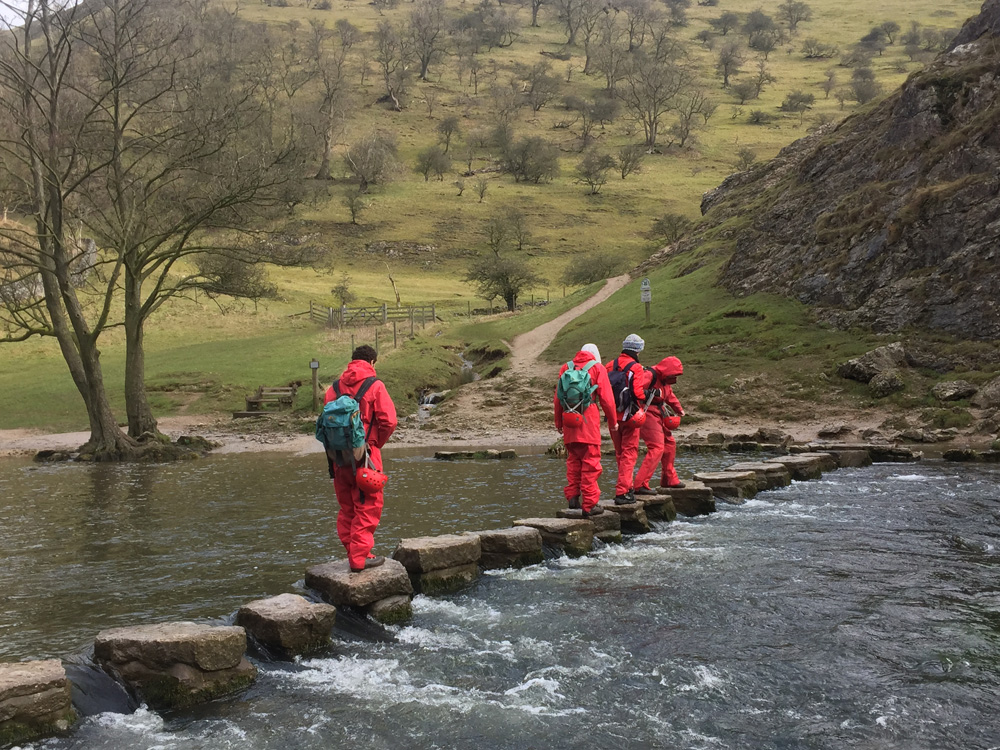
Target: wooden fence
357,317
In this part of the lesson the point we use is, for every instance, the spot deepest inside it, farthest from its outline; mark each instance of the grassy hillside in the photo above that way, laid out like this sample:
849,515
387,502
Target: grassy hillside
200,358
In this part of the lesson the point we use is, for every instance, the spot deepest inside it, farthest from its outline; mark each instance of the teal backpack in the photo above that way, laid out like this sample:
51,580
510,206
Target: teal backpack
339,427
575,389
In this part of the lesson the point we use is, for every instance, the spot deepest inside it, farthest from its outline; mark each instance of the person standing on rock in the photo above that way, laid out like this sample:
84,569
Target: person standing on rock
360,512
628,383
662,418
578,419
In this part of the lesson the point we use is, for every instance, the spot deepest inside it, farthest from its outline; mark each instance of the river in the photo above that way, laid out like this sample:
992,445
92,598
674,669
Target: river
861,610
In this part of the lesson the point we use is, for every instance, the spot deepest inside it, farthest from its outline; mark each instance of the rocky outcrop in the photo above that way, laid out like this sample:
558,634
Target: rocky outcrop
873,363
954,390
889,220
35,701
288,623
988,397
172,665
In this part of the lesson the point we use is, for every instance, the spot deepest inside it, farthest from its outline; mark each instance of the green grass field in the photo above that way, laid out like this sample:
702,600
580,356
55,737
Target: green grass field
200,359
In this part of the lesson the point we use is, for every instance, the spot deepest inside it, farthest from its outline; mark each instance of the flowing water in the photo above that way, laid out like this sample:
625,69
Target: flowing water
858,611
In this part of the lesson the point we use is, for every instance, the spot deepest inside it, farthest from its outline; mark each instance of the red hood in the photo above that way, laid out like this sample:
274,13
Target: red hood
581,358
356,372
669,367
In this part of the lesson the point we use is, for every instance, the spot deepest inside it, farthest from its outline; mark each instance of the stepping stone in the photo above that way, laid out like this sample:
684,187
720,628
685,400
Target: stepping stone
505,454
391,610
658,507
288,623
802,467
572,536
176,664
440,564
693,499
633,516
730,486
339,586
35,701
769,476
827,461
515,547
607,526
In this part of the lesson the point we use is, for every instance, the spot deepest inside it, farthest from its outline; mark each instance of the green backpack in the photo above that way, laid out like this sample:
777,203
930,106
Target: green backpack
575,390
339,426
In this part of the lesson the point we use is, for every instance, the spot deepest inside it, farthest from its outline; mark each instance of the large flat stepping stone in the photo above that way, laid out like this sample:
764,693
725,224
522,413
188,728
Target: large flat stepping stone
633,516
693,499
847,455
515,547
339,586
423,554
730,486
288,623
607,526
827,461
35,701
658,507
574,537
769,476
440,564
802,467
177,664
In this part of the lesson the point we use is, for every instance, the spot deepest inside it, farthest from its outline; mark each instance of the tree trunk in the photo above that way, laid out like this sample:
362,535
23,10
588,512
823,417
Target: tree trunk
140,415
323,173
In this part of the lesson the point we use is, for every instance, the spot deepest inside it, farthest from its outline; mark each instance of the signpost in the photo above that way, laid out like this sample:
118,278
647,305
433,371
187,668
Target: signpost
646,295
314,366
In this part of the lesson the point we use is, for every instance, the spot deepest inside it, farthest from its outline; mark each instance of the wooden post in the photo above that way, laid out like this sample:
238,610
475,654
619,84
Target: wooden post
352,343
394,334
376,340
647,312
470,309
423,317
385,314
411,322
434,315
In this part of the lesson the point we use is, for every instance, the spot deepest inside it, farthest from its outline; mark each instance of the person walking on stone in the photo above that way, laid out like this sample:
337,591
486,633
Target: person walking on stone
583,387
662,418
360,512
628,385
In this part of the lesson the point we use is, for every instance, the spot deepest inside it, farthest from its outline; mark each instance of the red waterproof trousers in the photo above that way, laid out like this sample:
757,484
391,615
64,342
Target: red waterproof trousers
583,469
660,445
359,513
626,440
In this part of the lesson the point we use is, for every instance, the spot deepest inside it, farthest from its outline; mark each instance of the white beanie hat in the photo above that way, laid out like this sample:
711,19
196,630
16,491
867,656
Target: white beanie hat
592,349
633,343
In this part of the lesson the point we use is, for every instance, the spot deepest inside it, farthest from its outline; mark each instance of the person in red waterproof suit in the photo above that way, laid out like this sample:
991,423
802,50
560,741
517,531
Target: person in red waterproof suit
626,438
655,432
583,441
360,512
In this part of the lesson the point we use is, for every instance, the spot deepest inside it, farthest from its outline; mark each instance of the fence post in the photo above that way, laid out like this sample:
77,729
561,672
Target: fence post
376,340
423,317
394,334
434,316
411,322
352,344
385,314
470,309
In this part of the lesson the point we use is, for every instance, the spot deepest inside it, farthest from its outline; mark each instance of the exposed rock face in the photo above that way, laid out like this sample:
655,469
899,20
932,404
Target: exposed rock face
34,701
886,383
177,664
892,218
288,622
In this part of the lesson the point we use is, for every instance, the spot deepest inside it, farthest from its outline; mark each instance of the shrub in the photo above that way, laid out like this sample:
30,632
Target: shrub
590,267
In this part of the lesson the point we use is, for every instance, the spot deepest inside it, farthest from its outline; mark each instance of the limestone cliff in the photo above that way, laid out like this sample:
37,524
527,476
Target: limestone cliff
892,218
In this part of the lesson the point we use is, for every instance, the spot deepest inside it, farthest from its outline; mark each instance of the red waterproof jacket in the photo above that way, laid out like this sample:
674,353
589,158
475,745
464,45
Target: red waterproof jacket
377,410
590,430
640,378
668,367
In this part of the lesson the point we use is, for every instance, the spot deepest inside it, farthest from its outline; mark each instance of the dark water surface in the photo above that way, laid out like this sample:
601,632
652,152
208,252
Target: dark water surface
858,611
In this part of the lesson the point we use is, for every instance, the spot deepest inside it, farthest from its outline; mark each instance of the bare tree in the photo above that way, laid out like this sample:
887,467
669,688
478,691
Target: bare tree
354,201
373,159
482,185
649,91
730,61
694,109
392,53
329,50
571,16
794,12
593,170
629,159
447,129
427,33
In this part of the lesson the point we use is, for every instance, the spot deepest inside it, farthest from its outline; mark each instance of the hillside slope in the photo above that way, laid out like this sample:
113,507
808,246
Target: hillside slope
890,220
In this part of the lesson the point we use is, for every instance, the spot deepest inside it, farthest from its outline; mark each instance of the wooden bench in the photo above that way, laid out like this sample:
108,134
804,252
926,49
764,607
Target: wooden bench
268,399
